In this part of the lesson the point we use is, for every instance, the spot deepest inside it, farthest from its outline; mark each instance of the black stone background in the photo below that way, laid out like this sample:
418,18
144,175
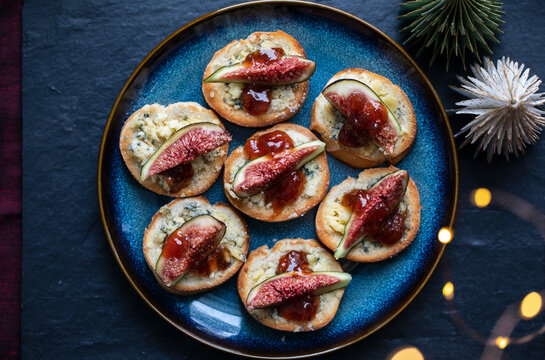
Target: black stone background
76,302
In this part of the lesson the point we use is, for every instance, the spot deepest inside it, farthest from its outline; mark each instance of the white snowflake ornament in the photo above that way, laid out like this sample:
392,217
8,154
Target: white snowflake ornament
506,102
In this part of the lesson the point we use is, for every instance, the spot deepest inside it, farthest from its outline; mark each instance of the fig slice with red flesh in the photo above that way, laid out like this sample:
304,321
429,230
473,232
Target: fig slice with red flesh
263,172
279,288
365,111
190,243
285,71
381,200
184,146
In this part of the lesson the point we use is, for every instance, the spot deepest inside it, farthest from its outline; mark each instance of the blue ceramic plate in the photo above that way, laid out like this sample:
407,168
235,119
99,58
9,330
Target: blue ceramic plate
173,71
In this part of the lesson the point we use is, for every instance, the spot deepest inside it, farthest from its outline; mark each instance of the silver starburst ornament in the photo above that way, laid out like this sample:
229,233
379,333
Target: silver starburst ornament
505,100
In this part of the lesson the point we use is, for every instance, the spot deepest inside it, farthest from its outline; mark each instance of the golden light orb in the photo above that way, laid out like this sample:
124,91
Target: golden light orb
531,305
444,235
407,353
502,342
482,197
448,291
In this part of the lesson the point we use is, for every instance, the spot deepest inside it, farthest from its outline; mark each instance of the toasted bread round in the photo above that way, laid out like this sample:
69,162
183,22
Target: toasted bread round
261,265
149,127
332,217
316,183
173,215
327,121
286,100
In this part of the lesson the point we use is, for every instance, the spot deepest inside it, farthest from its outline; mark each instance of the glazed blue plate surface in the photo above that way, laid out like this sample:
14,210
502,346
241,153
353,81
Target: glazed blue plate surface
173,73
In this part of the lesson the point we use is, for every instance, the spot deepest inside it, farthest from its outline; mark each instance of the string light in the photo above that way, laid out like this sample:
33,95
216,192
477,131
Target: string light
481,197
531,305
448,291
407,353
444,235
502,342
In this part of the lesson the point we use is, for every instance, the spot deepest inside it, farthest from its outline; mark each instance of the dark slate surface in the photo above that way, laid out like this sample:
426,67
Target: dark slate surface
76,301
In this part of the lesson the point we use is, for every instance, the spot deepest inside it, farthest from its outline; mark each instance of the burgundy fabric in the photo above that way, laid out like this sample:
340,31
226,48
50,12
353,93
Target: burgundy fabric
10,179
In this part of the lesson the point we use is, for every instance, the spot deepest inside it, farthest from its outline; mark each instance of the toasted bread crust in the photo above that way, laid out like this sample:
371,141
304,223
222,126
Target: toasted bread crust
291,211
196,186
214,93
331,238
369,155
329,302
197,283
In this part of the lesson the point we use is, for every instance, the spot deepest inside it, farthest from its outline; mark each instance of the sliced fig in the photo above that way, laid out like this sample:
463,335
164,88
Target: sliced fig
379,202
279,288
189,244
284,71
367,115
263,172
185,145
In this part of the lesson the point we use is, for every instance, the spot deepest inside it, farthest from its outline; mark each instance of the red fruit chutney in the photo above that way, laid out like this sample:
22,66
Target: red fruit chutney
364,119
389,230
178,177
289,188
303,307
256,99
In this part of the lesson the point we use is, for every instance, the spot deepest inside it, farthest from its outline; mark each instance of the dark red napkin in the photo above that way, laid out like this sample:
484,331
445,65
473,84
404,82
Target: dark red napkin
10,179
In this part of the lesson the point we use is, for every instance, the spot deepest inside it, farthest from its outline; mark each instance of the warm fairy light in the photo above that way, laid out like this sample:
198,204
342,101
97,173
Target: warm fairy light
482,197
531,305
448,291
445,235
407,353
502,342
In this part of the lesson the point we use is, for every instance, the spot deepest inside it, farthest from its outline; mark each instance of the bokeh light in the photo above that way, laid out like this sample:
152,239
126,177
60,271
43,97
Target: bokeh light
407,353
531,305
448,291
444,235
502,342
481,197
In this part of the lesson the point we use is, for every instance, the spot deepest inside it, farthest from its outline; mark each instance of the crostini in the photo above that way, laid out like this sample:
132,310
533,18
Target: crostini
364,119
294,286
258,81
370,218
177,150
279,174
192,246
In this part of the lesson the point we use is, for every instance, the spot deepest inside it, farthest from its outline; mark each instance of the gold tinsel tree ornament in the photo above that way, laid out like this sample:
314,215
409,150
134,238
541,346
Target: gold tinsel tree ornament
452,27
505,99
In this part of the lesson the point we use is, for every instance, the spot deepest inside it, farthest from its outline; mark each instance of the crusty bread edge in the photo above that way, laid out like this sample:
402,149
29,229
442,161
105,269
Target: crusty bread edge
226,274
240,116
286,213
244,287
134,167
345,153
331,241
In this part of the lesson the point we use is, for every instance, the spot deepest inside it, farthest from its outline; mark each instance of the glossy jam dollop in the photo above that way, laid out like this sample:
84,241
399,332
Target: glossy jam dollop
263,56
386,225
303,307
178,177
256,99
287,190
366,118
217,260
